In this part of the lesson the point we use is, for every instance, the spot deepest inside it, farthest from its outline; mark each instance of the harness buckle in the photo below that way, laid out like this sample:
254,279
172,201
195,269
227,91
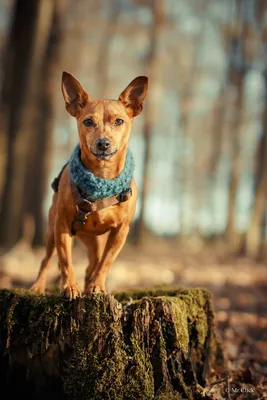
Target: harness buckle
125,195
81,215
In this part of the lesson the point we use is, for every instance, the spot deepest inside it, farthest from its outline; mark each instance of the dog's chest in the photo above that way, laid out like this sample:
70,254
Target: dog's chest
99,222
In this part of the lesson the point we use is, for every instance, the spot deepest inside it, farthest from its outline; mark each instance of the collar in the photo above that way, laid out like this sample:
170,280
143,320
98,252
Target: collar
95,187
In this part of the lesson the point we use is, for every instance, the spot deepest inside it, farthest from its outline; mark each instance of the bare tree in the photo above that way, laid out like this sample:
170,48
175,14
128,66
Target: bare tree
158,10
237,80
24,56
217,140
39,165
239,63
188,76
103,61
185,96
256,230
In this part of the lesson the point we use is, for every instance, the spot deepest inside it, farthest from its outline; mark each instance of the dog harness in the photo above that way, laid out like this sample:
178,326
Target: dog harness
85,203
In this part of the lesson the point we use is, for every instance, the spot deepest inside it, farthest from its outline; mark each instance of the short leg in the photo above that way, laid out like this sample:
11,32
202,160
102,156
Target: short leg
95,245
40,283
63,239
115,242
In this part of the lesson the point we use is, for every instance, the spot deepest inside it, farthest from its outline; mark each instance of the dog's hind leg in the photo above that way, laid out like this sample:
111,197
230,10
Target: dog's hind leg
40,283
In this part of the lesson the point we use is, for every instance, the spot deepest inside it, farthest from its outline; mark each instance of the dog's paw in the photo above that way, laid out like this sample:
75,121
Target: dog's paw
71,292
91,288
38,288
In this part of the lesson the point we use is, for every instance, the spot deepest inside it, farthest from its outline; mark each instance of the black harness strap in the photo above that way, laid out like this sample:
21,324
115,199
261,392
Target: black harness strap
55,182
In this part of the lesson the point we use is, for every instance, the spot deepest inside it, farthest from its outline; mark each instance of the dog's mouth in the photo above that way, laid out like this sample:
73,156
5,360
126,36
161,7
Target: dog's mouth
104,155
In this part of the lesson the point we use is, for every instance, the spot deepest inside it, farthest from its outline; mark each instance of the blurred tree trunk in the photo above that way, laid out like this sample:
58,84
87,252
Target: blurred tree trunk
237,80
217,139
158,9
242,54
103,61
17,51
254,233
3,142
218,122
39,164
186,179
190,180
239,61
24,55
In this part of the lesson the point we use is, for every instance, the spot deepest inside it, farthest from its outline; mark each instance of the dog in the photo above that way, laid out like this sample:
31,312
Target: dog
104,130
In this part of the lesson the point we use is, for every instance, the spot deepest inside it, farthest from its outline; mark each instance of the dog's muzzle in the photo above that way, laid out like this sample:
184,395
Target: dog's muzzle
103,149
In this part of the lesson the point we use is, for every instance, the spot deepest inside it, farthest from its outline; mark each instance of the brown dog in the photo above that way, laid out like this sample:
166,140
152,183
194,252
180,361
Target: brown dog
104,232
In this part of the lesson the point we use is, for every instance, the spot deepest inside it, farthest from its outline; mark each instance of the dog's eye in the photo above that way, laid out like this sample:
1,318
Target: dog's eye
88,122
119,121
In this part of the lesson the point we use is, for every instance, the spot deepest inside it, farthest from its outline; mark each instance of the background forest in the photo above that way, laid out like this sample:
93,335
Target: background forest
200,146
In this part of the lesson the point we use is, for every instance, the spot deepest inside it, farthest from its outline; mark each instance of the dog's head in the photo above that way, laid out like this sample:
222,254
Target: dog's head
104,125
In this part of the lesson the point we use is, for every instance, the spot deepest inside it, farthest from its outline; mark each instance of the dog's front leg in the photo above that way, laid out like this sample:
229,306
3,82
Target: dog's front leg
113,246
63,240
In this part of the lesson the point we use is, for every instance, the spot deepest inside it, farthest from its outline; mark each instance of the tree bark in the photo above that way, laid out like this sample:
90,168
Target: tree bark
162,345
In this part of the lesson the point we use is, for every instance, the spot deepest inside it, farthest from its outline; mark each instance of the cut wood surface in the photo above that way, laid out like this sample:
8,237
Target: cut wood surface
146,344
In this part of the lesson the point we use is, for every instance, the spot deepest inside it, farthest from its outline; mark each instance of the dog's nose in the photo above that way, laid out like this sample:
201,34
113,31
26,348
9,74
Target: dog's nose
103,144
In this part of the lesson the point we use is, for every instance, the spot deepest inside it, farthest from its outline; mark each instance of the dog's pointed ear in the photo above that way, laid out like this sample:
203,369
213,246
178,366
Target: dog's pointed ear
74,95
134,95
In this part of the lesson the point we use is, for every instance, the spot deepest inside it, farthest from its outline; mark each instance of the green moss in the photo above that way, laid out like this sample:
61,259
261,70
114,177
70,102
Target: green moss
140,293
42,313
96,366
190,307
139,383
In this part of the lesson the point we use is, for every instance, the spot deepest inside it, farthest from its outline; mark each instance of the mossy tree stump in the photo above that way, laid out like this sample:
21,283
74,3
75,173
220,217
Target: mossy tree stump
159,345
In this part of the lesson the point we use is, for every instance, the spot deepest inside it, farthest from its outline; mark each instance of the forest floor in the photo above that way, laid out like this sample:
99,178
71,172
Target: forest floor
238,285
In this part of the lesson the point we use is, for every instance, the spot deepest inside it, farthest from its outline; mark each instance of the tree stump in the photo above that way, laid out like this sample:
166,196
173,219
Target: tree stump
150,344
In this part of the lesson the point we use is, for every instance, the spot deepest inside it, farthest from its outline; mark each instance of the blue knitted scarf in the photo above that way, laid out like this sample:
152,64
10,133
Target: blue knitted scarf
98,188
